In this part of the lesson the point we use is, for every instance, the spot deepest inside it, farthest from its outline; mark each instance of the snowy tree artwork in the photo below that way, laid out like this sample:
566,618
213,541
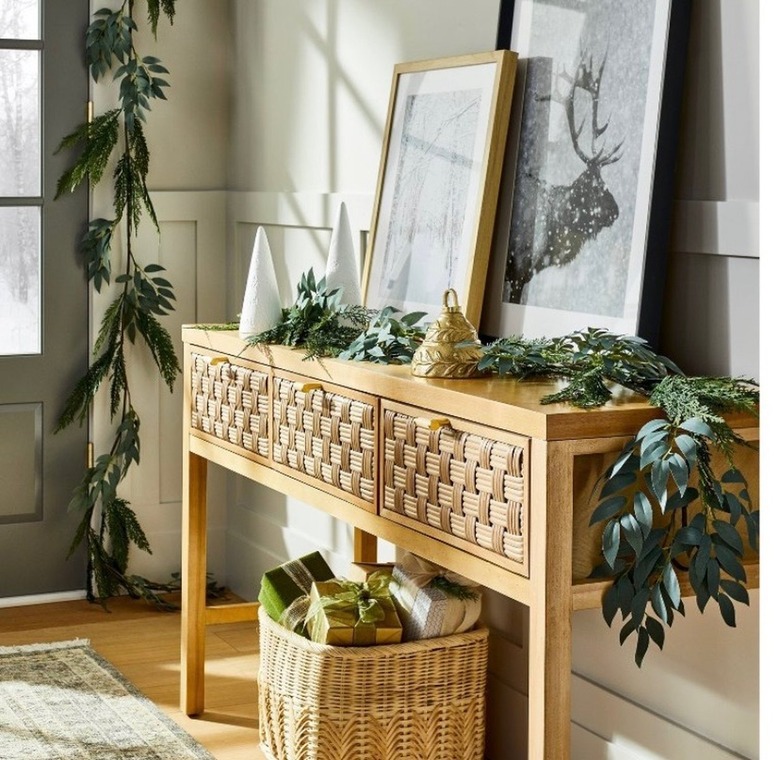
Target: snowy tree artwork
428,207
438,184
575,231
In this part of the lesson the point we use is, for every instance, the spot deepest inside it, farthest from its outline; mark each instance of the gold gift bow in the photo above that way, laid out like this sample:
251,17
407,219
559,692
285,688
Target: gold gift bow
361,596
421,573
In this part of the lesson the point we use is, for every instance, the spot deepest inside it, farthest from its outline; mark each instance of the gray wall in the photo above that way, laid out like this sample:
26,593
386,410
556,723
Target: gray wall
711,308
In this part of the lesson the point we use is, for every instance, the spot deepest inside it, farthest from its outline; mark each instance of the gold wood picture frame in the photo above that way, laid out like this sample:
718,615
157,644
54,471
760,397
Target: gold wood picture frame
439,177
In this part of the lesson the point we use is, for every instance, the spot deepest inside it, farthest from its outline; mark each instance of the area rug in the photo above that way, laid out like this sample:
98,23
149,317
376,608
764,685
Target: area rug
63,701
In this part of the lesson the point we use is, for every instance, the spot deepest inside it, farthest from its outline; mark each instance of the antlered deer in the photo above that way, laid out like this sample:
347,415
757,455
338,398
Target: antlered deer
564,217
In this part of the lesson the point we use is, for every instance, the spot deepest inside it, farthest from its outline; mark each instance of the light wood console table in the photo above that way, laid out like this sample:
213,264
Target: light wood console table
475,475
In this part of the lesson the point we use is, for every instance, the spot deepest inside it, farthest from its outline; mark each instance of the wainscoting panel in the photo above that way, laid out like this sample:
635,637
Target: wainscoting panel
191,247
298,226
722,228
631,730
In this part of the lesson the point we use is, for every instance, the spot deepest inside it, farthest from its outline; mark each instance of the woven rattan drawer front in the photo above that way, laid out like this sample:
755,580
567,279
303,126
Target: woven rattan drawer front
231,403
457,482
326,434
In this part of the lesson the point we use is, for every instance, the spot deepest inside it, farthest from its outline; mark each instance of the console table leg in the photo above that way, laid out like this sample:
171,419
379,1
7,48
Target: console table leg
364,546
193,582
549,657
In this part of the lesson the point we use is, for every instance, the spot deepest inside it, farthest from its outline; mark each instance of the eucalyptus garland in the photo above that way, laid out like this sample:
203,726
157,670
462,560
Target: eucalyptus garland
317,322
649,539
108,524
660,473
388,339
320,324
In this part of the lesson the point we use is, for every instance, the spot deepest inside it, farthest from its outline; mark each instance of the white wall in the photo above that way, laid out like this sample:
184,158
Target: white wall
189,133
313,80
711,310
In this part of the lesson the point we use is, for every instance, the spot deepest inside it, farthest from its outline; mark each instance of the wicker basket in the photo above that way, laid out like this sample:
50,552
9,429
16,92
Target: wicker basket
421,700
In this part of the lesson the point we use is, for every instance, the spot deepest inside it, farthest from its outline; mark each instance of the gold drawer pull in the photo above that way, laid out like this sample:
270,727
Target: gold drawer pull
432,423
307,387
219,360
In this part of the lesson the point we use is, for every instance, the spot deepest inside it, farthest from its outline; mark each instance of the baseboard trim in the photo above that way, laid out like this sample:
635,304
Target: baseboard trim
644,731
26,601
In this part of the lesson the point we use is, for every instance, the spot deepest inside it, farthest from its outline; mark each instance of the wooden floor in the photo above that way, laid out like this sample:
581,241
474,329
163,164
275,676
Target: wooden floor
144,645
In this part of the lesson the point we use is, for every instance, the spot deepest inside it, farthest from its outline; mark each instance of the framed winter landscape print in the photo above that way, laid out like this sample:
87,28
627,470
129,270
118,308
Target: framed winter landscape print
587,191
438,183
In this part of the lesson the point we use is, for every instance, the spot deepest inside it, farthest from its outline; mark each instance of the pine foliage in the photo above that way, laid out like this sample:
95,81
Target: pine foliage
168,7
589,359
707,399
97,141
317,322
143,294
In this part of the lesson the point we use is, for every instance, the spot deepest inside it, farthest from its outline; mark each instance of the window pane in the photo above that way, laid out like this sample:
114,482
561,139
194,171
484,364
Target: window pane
20,281
21,456
20,19
20,128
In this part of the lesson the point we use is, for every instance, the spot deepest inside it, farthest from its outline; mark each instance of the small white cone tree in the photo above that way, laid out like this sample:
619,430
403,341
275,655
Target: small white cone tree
341,269
262,307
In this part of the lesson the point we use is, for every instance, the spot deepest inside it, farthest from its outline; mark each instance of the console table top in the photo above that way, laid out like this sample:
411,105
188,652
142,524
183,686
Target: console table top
502,402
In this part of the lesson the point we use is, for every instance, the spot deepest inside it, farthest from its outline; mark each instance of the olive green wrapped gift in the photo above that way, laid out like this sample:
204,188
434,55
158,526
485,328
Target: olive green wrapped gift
284,591
346,613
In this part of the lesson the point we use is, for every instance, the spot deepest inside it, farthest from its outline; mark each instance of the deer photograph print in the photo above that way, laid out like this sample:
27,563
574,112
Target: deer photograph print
438,182
586,191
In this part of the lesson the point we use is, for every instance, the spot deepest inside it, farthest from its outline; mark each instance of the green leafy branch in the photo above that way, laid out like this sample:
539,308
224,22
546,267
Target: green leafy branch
144,294
322,325
388,339
588,359
650,540
317,322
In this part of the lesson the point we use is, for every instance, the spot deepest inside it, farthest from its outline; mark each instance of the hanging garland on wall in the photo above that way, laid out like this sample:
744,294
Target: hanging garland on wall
651,535
108,525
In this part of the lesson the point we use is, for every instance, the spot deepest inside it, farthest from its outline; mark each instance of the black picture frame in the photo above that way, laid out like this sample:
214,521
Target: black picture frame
577,251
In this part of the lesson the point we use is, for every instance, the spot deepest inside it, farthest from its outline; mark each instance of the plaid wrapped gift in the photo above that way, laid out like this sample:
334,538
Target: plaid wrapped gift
346,613
284,591
432,601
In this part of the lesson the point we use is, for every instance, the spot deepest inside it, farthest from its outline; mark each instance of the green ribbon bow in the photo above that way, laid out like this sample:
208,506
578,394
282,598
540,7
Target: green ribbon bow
363,597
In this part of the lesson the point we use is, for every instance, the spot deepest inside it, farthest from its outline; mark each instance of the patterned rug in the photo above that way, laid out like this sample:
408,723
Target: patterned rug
63,701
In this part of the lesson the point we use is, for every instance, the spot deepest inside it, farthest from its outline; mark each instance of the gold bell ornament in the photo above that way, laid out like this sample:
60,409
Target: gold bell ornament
451,347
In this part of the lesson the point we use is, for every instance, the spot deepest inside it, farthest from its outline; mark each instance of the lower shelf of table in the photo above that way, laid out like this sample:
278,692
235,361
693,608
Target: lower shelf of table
478,569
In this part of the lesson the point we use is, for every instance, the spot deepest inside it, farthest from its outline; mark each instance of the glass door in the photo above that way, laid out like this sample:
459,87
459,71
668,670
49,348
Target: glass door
43,293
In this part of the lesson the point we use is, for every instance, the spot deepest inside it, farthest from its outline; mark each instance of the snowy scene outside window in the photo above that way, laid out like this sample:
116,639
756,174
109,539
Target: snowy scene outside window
20,179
